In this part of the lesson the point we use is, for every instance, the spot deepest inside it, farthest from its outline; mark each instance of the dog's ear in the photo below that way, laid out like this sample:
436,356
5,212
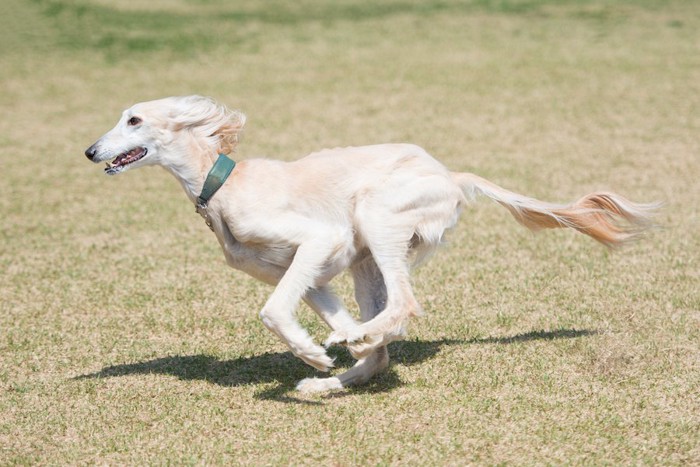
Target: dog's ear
229,132
209,122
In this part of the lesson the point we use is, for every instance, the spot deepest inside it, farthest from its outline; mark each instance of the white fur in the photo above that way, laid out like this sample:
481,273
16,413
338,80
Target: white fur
376,210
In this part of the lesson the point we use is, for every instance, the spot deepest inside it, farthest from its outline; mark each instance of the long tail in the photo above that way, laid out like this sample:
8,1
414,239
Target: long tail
607,217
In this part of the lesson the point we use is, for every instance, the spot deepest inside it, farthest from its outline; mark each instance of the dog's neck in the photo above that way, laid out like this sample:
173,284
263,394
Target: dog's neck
192,169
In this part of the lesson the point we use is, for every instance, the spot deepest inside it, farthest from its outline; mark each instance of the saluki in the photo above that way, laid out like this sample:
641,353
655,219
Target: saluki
377,210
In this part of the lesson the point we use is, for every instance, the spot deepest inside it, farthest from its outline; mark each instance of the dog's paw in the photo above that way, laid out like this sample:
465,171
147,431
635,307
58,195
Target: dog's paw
360,349
311,385
364,347
357,342
317,359
345,336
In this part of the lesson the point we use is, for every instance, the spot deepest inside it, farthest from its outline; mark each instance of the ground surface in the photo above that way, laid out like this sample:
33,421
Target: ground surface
124,338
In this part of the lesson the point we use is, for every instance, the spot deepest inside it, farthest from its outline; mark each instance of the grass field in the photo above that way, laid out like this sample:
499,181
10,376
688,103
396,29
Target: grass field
125,339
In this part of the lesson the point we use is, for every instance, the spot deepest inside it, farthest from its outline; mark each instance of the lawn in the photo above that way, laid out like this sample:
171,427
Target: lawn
125,338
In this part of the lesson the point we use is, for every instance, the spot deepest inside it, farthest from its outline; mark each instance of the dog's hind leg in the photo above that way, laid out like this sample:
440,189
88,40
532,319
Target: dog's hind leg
370,294
389,247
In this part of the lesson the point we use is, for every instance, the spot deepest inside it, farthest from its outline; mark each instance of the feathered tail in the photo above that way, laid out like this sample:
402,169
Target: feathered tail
607,217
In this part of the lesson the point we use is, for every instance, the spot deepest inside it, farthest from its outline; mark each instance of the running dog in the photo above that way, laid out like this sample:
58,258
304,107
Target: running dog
376,210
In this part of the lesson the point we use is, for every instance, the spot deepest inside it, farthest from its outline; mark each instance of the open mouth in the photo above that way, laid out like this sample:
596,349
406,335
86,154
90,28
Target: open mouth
124,159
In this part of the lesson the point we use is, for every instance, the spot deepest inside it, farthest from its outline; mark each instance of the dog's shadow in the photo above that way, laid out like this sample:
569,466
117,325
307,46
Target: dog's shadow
285,369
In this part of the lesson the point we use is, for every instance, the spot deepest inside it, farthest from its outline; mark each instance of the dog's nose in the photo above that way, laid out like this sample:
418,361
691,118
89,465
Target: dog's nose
91,152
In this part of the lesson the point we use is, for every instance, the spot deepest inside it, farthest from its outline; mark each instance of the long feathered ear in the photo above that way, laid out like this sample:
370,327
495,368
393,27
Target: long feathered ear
210,122
228,134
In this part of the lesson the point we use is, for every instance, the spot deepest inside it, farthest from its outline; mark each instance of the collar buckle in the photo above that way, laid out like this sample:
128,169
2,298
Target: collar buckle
201,209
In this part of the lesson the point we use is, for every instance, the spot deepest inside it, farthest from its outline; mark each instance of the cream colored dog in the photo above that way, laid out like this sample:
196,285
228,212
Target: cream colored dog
377,210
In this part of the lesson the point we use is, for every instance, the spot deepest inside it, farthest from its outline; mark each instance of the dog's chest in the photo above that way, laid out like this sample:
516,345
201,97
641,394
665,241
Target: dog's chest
265,262
268,262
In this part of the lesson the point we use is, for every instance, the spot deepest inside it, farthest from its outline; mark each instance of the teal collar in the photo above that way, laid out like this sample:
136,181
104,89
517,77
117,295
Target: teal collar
215,179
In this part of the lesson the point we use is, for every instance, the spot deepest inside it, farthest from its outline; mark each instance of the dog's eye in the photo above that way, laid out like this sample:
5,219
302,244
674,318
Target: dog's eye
133,121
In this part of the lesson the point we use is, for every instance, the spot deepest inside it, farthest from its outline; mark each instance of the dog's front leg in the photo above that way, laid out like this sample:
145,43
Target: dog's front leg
278,313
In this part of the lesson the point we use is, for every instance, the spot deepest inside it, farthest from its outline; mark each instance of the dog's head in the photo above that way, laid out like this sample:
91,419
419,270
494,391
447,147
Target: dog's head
164,131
